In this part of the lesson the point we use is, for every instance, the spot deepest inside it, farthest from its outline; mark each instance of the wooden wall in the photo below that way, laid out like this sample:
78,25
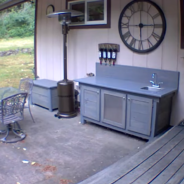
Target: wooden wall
83,47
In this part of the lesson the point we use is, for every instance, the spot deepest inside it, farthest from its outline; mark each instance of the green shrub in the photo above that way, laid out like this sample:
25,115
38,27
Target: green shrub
18,22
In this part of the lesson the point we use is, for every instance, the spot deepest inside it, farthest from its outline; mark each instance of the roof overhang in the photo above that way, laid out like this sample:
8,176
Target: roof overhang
10,3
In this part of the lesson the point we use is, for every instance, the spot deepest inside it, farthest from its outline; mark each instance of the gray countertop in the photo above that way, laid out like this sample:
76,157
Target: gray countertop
125,86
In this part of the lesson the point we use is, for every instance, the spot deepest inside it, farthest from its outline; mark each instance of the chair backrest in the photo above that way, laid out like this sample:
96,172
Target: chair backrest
12,108
26,85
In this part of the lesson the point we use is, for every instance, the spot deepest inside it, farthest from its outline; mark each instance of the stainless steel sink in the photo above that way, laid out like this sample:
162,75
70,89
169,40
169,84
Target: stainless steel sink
150,88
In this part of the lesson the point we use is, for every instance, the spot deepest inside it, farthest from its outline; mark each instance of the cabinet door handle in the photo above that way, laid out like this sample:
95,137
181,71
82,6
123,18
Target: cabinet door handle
97,92
129,99
124,98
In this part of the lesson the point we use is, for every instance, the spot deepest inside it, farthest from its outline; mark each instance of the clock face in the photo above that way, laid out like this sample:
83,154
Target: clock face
142,26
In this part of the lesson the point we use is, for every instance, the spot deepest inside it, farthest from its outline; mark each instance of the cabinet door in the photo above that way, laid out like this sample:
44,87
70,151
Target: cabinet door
113,107
139,114
90,102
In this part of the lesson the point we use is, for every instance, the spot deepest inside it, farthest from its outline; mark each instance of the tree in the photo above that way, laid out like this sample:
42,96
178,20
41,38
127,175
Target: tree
18,22
2,1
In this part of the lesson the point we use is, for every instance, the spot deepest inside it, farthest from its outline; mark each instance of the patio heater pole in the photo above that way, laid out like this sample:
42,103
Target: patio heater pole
65,87
65,32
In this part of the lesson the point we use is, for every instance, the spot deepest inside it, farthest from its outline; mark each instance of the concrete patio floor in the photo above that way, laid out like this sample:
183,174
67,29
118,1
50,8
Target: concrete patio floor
62,151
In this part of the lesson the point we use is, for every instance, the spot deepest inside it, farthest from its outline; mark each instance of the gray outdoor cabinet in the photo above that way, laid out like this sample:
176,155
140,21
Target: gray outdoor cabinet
113,108
90,102
139,114
115,98
132,114
45,94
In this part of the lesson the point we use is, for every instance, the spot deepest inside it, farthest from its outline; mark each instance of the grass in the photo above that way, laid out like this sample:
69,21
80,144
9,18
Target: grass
14,43
15,67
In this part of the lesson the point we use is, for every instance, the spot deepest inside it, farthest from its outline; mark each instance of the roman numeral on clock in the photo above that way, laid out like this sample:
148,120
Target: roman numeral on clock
131,8
127,35
124,25
140,47
158,25
149,43
156,15
132,43
140,6
149,8
156,36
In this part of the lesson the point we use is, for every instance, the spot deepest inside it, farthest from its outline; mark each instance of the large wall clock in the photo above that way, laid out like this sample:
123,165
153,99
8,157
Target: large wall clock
142,26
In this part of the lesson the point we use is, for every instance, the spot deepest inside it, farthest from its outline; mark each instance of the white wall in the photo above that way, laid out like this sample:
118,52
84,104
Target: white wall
83,47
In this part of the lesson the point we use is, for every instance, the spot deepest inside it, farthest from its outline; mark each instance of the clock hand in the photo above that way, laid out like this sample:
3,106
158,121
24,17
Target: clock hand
148,25
140,27
140,17
140,33
135,25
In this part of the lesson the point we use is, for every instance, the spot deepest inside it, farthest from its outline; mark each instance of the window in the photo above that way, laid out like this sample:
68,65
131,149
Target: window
96,13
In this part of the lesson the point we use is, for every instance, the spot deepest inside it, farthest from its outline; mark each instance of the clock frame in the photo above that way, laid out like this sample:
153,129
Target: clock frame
142,26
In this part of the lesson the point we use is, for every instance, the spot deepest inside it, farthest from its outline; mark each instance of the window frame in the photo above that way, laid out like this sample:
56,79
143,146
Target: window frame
93,24
96,22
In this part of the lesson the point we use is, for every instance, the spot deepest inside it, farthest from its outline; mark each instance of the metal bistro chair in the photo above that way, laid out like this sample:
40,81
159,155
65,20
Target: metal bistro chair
26,85
4,91
12,111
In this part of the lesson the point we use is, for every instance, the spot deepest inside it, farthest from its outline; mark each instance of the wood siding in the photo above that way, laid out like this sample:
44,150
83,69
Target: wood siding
83,47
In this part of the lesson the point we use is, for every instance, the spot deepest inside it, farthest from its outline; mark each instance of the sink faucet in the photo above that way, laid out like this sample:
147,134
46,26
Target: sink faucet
154,81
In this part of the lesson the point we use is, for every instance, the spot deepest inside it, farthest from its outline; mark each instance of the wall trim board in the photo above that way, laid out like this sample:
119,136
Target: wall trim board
182,22
35,39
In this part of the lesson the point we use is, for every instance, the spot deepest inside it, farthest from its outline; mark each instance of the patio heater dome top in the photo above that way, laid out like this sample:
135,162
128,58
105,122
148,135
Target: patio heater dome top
64,16
73,13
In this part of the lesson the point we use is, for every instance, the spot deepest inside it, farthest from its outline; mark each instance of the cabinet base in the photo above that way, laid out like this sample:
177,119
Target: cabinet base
65,115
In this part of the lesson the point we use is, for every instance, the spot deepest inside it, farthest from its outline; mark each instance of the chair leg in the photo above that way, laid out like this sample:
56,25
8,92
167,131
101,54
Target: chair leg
3,131
15,130
7,133
30,112
19,134
18,126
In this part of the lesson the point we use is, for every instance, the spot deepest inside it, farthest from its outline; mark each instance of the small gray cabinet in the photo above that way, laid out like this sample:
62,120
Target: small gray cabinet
139,114
113,108
45,94
90,102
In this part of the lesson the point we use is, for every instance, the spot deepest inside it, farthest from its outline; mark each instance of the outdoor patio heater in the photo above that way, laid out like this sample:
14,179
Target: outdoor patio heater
65,87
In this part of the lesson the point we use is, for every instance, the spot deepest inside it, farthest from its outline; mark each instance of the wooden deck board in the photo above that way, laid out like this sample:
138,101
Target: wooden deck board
122,168
170,171
182,182
178,177
152,173
152,166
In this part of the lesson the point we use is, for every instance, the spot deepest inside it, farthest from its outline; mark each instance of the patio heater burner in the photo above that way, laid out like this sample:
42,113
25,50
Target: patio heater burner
65,87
